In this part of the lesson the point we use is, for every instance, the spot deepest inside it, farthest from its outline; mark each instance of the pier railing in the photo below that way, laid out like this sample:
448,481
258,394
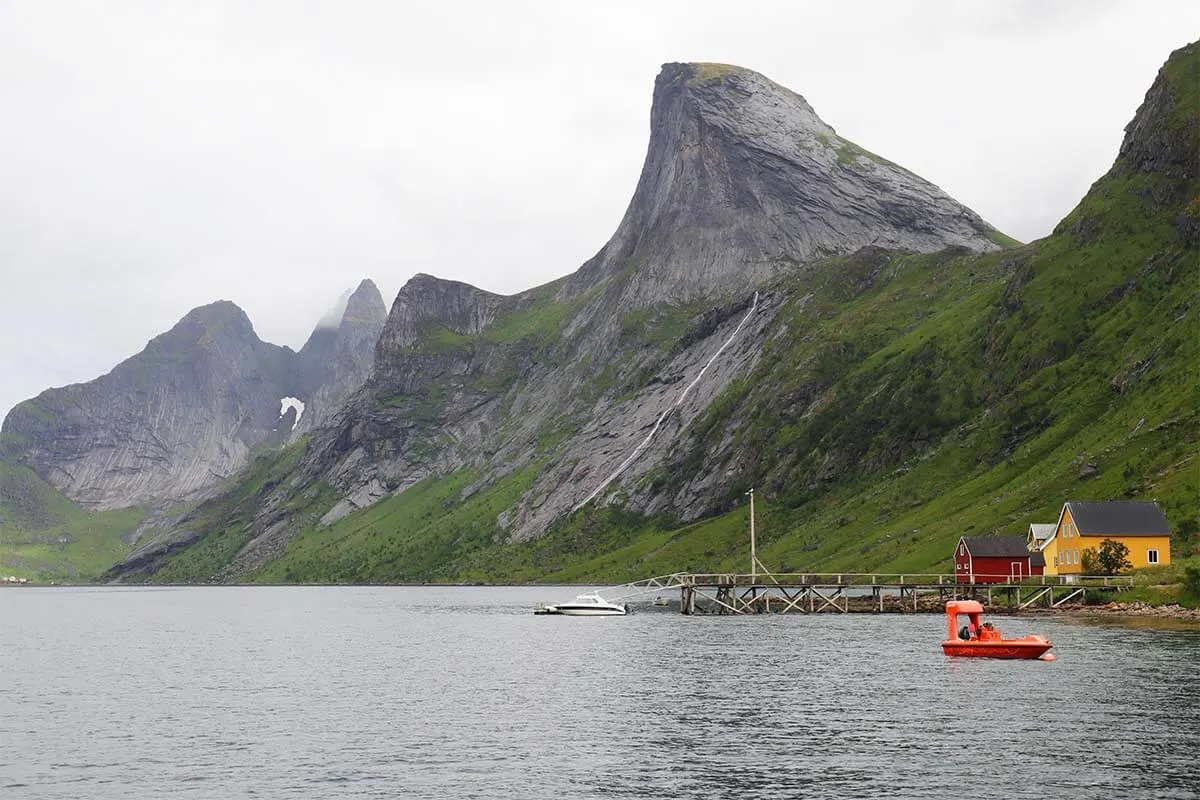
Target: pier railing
817,592
894,579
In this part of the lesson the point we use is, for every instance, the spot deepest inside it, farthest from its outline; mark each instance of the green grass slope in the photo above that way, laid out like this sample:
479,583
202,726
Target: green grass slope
46,537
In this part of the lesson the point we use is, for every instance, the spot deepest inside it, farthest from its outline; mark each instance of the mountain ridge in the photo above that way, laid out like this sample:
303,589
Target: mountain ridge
882,402
465,379
869,393
169,423
726,139
447,377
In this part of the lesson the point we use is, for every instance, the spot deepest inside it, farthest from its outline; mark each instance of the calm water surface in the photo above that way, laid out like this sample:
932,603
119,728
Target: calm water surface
463,693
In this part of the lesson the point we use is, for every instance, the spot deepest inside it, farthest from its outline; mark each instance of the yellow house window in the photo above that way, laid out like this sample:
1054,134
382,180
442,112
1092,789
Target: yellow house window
1151,556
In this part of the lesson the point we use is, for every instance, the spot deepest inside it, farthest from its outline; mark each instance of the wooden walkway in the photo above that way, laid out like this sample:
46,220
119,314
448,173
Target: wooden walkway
815,593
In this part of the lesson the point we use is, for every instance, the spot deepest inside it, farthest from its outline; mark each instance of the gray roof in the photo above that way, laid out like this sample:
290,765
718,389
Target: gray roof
1118,518
998,547
1042,531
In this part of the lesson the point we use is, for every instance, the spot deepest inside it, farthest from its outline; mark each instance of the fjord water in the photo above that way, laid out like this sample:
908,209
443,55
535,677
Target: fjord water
463,693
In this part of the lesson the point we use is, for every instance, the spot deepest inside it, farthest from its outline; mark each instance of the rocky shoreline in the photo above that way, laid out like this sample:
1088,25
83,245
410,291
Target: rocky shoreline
1135,611
1139,608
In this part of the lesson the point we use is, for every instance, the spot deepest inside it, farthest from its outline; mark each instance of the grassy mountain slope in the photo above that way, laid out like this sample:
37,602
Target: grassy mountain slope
46,537
901,401
899,421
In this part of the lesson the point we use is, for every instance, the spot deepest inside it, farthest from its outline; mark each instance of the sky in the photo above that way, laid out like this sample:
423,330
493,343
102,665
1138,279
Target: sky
157,156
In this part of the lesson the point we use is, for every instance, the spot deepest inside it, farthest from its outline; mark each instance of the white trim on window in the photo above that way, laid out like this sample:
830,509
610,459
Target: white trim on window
1151,556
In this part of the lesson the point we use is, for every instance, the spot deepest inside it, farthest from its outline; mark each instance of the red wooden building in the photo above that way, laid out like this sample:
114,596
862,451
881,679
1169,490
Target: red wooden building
995,559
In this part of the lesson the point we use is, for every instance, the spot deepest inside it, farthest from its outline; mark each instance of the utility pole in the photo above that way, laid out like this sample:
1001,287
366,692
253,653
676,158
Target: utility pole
753,554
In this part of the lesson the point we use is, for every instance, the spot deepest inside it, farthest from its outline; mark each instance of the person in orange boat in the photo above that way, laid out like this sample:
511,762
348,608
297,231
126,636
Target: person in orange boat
980,639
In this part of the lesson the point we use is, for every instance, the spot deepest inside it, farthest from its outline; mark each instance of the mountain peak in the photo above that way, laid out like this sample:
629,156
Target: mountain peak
736,98
165,424
217,313
221,320
336,359
1163,135
365,304
742,179
427,300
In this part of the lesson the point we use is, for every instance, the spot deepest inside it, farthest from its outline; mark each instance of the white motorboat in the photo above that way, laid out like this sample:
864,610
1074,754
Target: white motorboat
588,605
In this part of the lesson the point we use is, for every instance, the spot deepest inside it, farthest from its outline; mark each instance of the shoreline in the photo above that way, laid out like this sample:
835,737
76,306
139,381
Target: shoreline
1114,611
1138,613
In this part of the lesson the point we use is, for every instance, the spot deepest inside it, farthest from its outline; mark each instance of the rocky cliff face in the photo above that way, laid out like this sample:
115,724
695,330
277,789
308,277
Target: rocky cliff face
176,419
337,359
742,179
588,380
426,303
1164,135
164,424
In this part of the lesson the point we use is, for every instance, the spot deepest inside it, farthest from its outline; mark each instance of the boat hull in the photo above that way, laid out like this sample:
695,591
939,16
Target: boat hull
1030,647
589,612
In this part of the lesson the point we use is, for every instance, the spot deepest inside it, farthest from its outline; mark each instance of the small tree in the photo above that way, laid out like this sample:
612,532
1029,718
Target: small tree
1191,581
1113,558
1088,561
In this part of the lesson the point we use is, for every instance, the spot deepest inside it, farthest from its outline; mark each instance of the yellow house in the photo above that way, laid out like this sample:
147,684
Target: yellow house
1140,526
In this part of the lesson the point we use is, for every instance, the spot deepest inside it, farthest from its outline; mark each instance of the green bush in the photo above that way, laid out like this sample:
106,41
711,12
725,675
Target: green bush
1191,582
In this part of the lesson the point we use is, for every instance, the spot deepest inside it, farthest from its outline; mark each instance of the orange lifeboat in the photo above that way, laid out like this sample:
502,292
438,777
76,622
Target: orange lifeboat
982,640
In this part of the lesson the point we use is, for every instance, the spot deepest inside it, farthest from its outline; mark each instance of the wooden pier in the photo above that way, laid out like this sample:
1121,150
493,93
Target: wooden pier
816,593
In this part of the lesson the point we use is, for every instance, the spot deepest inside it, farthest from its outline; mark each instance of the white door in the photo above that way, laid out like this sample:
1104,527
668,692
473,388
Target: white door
1015,573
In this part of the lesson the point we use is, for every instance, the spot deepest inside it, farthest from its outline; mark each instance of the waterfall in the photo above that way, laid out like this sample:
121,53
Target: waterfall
637,451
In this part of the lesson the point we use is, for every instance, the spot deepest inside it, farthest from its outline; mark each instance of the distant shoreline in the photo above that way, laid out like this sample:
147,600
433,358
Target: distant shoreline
1137,613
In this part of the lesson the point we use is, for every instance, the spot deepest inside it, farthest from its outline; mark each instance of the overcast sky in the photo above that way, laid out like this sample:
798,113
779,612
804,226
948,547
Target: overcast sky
158,156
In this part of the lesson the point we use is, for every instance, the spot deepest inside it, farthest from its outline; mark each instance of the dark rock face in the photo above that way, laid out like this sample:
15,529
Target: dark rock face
335,361
428,301
1162,137
164,424
173,421
742,179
